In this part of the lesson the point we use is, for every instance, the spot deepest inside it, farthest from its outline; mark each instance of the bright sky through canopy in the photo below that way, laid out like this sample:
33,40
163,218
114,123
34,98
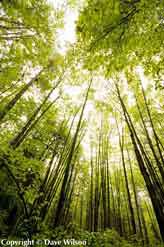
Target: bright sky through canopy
67,35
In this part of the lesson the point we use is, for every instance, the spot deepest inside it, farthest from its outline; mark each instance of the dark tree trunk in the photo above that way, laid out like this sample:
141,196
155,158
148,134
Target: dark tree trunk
17,97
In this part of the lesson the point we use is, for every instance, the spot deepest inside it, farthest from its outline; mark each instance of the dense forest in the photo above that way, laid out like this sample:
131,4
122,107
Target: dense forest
81,123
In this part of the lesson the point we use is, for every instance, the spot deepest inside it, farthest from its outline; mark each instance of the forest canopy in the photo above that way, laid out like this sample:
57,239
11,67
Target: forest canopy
81,121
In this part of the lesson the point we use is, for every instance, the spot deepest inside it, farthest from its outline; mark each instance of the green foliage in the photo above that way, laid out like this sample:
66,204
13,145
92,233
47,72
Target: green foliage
107,238
115,34
89,165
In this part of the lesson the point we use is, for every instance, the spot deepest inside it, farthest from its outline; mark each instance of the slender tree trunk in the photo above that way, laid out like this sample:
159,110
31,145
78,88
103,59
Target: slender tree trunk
81,213
136,198
17,97
18,139
108,195
132,218
154,225
146,237
159,165
157,140
154,191
62,195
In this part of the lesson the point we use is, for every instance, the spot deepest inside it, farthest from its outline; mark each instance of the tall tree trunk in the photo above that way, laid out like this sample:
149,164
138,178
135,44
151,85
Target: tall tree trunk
17,97
132,218
18,139
154,191
159,165
61,202
146,237
157,140
135,197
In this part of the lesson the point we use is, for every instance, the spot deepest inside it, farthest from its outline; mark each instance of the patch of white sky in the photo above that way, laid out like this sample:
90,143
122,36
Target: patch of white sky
153,93
66,35
140,72
145,80
91,114
147,83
